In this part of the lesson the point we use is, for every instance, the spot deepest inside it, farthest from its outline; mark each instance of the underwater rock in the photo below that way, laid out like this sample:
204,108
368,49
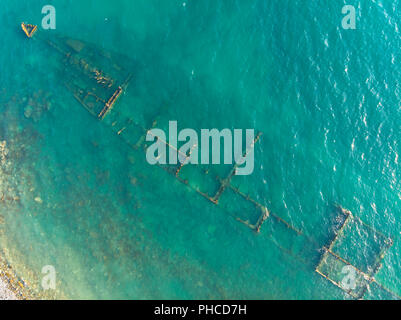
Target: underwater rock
38,200
131,159
3,152
36,104
28,111
48,105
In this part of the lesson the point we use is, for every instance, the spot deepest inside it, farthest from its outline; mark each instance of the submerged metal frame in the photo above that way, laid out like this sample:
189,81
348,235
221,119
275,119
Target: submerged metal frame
370,278
107,83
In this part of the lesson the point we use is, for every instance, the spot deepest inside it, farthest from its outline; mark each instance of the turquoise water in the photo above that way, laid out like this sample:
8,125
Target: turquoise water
326,99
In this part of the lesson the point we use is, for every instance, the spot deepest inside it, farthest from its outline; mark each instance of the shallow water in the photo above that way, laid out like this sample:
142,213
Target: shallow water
326,99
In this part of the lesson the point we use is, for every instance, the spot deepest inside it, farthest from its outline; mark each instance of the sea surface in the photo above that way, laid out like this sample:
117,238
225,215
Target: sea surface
327,100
